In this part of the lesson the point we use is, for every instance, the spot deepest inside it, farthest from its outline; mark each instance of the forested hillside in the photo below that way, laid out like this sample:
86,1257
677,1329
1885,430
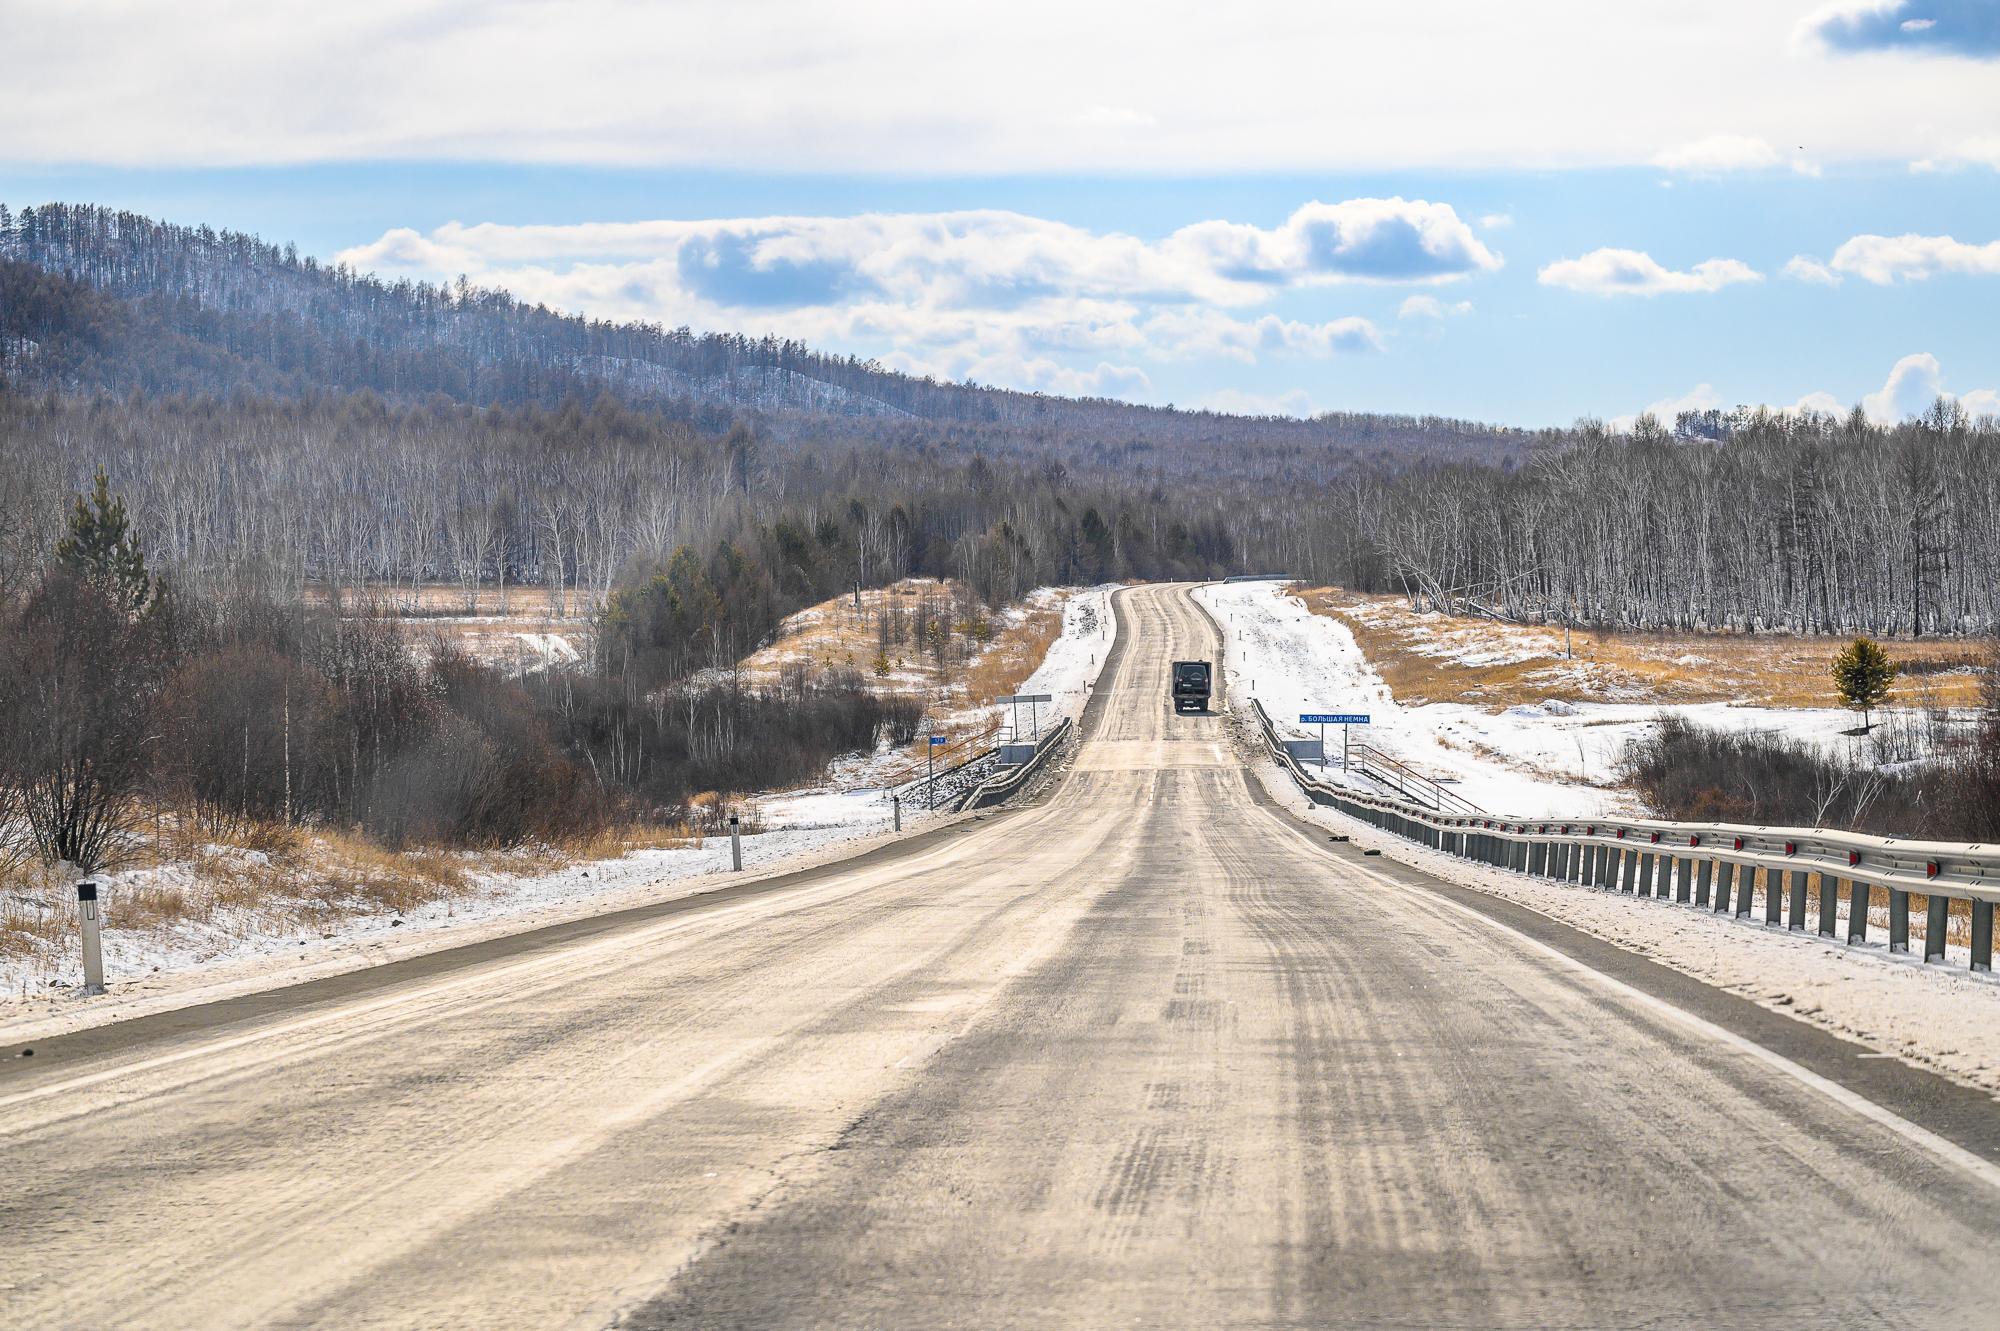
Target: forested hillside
96,299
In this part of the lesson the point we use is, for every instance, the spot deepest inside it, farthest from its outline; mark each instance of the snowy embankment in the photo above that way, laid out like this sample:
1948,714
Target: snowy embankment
1551,759
232,949
1069,672
1941,1017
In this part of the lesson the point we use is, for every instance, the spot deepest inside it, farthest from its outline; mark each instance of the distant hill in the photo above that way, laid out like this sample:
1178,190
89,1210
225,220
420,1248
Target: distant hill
93,300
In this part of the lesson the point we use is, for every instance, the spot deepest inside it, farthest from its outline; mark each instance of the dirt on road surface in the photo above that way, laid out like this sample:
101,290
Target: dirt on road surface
1145,1053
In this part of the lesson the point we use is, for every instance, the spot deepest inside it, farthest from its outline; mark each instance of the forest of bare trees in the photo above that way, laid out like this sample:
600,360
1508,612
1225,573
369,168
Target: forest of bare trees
1773,523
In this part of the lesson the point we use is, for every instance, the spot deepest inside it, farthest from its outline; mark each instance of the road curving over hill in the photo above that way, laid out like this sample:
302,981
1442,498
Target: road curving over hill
1144,1053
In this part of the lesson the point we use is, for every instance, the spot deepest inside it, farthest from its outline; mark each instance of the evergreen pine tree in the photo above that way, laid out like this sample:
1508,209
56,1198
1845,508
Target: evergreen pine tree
1862,673
102,550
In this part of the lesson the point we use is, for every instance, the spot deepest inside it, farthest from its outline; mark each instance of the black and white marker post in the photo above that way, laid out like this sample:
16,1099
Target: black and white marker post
735,844
93,945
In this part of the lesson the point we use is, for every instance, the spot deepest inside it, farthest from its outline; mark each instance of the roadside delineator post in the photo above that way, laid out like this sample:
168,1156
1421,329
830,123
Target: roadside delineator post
896,804
735,844
93,945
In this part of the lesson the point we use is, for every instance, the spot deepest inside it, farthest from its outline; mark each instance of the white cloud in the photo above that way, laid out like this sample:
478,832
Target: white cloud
1207,332
1719,153
1614,272
1914,383
1000,296
1430,307
1702,397
1804,268
893,88
1042,375
1885,260
1495,221
1965,153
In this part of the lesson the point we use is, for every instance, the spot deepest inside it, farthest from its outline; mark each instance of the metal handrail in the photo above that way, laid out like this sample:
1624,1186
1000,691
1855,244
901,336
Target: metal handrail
1638,853
997,788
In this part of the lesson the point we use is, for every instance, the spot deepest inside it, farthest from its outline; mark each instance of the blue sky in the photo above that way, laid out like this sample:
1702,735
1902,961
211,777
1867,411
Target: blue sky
1560,210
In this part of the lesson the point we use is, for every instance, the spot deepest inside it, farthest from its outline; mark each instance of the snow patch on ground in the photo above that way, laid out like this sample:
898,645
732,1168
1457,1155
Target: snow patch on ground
237,951
1548,759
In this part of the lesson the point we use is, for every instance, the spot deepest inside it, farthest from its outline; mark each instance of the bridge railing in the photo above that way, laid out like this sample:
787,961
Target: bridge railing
997,788
1713,866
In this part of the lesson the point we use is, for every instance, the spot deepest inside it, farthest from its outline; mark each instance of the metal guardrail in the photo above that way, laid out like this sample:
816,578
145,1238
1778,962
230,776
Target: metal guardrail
1710,865
997,788
1388,771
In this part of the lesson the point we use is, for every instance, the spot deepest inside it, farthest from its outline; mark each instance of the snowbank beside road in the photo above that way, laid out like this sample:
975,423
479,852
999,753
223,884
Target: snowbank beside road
1069,672
1553,759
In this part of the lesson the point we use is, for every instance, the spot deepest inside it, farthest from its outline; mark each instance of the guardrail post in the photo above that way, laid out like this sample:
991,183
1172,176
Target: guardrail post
1899,920
1607,867
1774,896
1936,918
1631,867
1725,886
1858,896
1645,873
1982,935
1796,919
1829,904
1704,874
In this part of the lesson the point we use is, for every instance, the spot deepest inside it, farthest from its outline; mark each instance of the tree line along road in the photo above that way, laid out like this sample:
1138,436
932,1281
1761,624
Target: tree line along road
1145,1052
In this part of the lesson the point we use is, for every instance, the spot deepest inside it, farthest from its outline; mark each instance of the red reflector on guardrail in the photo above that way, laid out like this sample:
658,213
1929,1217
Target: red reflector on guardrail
1621,834
1930,868
1853,858
1694,841
1738,845
1656,838
1791,848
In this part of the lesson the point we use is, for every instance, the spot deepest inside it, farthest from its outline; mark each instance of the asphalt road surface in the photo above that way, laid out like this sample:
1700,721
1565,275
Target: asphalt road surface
1143,1054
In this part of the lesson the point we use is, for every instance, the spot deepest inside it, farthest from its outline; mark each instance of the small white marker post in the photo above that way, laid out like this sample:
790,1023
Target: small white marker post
735,844
896,804
93,946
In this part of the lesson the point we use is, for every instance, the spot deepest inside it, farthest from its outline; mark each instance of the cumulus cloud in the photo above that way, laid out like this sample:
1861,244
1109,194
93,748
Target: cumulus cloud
1001,296
1914,383
1805,268
1702,397
1495,221
1937,27
1195,333
1430,307
1363,240
1614,272
1886,260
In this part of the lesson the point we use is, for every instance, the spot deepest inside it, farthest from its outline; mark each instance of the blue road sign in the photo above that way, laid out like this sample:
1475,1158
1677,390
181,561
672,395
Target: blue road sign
937,740
1333,719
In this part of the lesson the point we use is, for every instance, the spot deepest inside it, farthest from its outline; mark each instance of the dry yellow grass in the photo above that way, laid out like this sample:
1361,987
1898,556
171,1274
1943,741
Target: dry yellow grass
1442,658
